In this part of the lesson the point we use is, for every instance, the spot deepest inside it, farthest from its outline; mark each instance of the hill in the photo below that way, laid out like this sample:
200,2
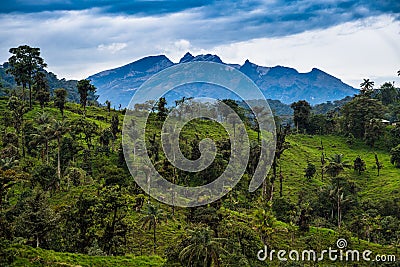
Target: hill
279,83
98,209
7,82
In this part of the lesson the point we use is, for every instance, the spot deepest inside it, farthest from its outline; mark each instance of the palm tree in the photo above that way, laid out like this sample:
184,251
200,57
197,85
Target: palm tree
264,221
336,194
153,217
43,134
203,249
336,165
59,128
366,86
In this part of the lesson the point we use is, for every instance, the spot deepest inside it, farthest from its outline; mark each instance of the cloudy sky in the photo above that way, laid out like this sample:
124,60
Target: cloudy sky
349,39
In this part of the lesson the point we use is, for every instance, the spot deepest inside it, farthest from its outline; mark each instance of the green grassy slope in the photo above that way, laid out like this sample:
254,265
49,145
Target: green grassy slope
28,256
303,148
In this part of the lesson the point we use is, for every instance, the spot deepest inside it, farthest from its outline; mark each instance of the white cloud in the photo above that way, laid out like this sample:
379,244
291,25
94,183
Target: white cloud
112,48
76,44
175,49
351,51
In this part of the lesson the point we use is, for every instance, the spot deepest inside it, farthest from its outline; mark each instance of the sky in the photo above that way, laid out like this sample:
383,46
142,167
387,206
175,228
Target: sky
351,40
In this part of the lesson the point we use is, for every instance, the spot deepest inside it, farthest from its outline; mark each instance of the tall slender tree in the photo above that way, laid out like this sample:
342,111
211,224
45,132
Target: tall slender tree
162,109
60,99
41,89
258,112
43,134
108,104
323,161
153,217
336,166
114,126
18,110
378,164
24,63
59,128
84,87
281,146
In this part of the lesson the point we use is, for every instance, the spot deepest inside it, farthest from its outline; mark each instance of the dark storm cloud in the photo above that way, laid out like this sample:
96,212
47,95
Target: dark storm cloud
297,9
259,18
108,6
276,18
93,33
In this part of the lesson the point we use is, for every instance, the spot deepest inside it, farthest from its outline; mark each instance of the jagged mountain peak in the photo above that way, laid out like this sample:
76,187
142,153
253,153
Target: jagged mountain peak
281,83
188,57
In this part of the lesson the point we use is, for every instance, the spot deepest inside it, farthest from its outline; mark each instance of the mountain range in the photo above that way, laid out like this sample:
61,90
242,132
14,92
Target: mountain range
279,83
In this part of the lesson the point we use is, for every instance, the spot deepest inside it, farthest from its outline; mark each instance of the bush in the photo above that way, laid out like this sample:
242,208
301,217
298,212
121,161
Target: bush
395,156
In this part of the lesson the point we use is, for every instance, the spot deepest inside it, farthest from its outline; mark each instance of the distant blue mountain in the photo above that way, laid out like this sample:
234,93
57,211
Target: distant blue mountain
280,83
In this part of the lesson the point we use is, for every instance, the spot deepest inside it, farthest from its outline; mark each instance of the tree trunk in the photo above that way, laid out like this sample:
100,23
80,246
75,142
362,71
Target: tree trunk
30,95
154,238
47,151
264,188
58,161
322,172
23,91
1,197
114,220
23,144
280,182
42,153
339,212
272,181
271,193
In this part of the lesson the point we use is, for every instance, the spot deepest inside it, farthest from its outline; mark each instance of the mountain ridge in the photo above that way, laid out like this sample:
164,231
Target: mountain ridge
282,83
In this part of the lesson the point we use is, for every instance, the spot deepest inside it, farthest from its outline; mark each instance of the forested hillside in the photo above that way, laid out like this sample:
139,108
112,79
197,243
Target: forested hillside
8,82
67,197
94,207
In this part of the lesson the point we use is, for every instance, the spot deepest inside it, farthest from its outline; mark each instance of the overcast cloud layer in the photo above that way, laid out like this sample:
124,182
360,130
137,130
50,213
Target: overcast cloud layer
349,39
